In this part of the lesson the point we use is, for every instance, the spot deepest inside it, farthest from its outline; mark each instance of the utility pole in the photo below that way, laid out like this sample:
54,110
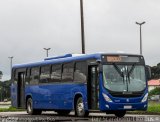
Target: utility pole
82,27
47,49
11,58
140,24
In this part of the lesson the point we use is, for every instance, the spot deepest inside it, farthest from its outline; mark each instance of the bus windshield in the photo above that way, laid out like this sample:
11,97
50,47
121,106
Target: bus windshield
124,78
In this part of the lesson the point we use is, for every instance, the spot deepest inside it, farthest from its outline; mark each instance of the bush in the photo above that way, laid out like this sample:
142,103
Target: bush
155,91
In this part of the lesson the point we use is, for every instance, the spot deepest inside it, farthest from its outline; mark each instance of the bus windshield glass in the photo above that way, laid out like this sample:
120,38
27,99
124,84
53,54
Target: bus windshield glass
124,78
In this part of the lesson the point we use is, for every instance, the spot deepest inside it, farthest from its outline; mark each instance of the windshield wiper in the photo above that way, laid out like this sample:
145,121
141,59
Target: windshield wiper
119,71
132,68
128,76
130,71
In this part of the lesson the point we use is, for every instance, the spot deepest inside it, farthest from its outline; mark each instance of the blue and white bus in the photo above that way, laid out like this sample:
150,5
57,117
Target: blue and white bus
111,83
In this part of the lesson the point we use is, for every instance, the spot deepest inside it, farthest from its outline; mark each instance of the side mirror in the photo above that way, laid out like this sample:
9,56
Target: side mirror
148,72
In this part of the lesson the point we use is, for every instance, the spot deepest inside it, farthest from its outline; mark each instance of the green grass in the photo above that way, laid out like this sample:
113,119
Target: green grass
153,108
10,109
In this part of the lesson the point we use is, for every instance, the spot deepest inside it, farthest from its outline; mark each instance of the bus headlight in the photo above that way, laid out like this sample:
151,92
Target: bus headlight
106,97
145,98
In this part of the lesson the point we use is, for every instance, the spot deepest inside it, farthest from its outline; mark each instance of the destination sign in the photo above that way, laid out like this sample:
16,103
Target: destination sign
115,58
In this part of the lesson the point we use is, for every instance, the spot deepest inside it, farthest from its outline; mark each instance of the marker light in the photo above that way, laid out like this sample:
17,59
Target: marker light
145,98
106,98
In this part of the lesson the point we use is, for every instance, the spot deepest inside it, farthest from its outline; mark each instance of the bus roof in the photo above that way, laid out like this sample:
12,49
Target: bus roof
68,58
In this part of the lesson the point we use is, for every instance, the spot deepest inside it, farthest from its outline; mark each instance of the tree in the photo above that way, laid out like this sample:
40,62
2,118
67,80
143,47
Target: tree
155,72
158,65
5,90
1,74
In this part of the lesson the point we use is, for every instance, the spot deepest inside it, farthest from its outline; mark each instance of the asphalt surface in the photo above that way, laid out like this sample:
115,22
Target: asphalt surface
93,117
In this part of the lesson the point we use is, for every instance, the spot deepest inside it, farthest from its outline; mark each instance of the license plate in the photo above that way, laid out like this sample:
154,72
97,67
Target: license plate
128,107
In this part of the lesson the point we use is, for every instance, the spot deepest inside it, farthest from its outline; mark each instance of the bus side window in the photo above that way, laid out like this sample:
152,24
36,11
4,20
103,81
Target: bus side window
34,78
67,75
80,72
56,73
45,74
28,76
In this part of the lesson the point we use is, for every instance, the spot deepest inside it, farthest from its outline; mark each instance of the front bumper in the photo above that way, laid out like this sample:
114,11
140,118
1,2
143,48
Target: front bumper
123,106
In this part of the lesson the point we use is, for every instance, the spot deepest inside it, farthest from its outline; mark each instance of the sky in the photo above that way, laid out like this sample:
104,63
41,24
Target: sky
28,26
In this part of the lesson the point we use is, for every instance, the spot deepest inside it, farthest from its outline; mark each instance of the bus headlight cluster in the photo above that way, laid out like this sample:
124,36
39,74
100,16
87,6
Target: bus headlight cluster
145,98
106,97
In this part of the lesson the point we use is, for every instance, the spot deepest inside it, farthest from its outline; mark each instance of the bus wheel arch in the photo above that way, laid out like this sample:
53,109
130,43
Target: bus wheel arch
78,101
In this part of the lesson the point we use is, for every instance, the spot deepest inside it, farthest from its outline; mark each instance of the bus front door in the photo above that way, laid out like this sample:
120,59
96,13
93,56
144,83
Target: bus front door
93,88
21,89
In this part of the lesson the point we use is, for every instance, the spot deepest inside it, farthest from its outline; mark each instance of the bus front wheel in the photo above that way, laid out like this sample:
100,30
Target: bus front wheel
30,109
120,114
79,108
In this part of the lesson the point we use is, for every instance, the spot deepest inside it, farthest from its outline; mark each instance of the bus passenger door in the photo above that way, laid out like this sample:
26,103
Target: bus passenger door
21,89
14,89
93,87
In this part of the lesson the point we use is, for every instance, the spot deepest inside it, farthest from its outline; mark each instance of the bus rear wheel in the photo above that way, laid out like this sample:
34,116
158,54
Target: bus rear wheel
30,109
79,108
120,114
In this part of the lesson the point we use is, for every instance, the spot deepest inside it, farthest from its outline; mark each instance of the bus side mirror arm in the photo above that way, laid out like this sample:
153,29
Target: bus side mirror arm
100,68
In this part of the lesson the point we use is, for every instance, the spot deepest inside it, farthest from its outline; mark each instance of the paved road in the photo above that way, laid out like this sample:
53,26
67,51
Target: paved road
93,117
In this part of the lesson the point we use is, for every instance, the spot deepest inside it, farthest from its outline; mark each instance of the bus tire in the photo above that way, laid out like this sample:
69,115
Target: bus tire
79,108
30,109
120,114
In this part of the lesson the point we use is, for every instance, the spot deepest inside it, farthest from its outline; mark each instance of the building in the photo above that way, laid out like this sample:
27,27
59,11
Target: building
152,84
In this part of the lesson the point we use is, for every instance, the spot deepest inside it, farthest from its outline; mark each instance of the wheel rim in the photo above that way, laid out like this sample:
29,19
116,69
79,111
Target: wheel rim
80,107
29,106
